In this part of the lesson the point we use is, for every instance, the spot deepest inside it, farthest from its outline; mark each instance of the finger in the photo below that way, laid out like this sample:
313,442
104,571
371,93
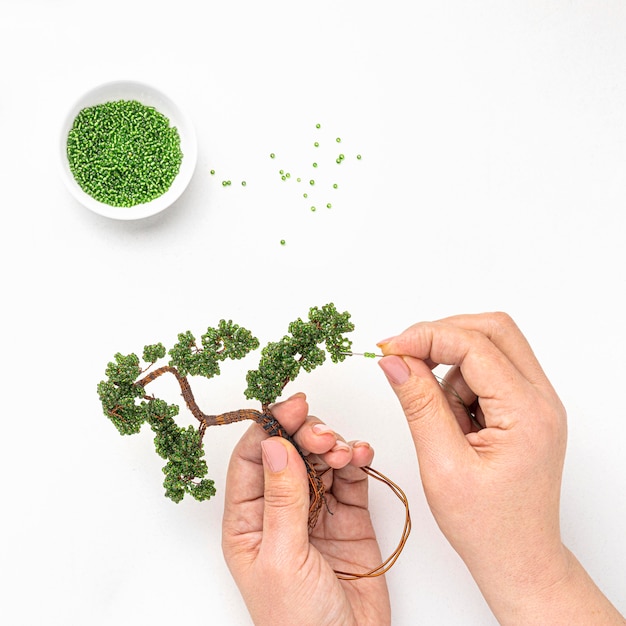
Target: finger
497,383
286,503
349,483
244,481
329,448
243,505
461,398
436,433
291,413
362,453
315,436
504,333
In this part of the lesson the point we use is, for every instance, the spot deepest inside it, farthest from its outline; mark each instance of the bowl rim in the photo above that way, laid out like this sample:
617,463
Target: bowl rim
150,96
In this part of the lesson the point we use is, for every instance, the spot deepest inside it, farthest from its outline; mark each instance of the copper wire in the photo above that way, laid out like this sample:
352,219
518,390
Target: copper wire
388,563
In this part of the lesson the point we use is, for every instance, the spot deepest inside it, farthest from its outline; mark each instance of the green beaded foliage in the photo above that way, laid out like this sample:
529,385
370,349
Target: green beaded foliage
281,361
127,404
227,341
123,153
183,450
119,394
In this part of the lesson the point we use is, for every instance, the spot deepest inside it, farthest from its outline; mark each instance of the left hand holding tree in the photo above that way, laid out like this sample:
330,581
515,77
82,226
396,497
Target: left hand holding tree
285,573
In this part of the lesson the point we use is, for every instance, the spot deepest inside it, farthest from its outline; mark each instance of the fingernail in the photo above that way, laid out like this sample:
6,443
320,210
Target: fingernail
395,368
274,454
361,444
340,446
382,342
322,429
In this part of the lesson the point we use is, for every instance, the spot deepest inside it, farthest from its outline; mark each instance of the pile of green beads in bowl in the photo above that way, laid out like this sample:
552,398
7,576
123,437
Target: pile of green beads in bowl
127,151
123,153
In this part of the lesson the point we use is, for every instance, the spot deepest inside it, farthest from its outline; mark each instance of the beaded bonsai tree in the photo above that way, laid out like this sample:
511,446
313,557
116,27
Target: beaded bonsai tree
126,402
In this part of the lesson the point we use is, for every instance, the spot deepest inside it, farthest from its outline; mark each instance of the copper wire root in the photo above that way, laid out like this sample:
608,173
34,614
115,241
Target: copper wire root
387,564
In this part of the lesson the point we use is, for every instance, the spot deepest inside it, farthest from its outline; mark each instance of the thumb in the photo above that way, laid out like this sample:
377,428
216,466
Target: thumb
437,436
285,515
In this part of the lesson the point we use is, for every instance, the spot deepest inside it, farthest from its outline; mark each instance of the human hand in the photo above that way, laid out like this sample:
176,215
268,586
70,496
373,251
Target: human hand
285,574
494,491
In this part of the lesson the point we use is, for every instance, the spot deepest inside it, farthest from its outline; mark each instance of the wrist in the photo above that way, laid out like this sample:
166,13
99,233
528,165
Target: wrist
561,593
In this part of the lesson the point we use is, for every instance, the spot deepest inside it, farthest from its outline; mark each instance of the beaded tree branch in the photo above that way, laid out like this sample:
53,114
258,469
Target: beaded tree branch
127,404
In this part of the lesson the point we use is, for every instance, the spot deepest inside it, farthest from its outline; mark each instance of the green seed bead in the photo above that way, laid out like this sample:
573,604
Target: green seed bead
281,172
369,355
318,125
282,242
317,144
298,179
311,182
212,172
335,186
243,183
314,164
338,140
272,155
329,206
313,209
288,175
305,195
358,156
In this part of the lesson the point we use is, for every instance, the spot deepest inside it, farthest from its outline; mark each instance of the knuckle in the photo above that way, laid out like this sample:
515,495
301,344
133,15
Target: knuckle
501,323
422,401
278,496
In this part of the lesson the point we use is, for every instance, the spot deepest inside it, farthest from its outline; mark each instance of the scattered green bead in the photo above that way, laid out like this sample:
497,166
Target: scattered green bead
313,209
338,140
329,206
317,144
338,161
283,177
272,155
311,182
358,156
342,157
281,172
212,172
318,125
314,164
282,242
305,195
298,179
288,175
243,183
123,153
335,186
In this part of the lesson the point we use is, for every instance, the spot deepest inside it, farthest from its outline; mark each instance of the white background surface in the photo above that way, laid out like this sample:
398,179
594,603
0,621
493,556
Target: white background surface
493,176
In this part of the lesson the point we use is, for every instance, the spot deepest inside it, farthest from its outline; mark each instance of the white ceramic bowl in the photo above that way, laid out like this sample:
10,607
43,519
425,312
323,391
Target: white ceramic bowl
149,96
